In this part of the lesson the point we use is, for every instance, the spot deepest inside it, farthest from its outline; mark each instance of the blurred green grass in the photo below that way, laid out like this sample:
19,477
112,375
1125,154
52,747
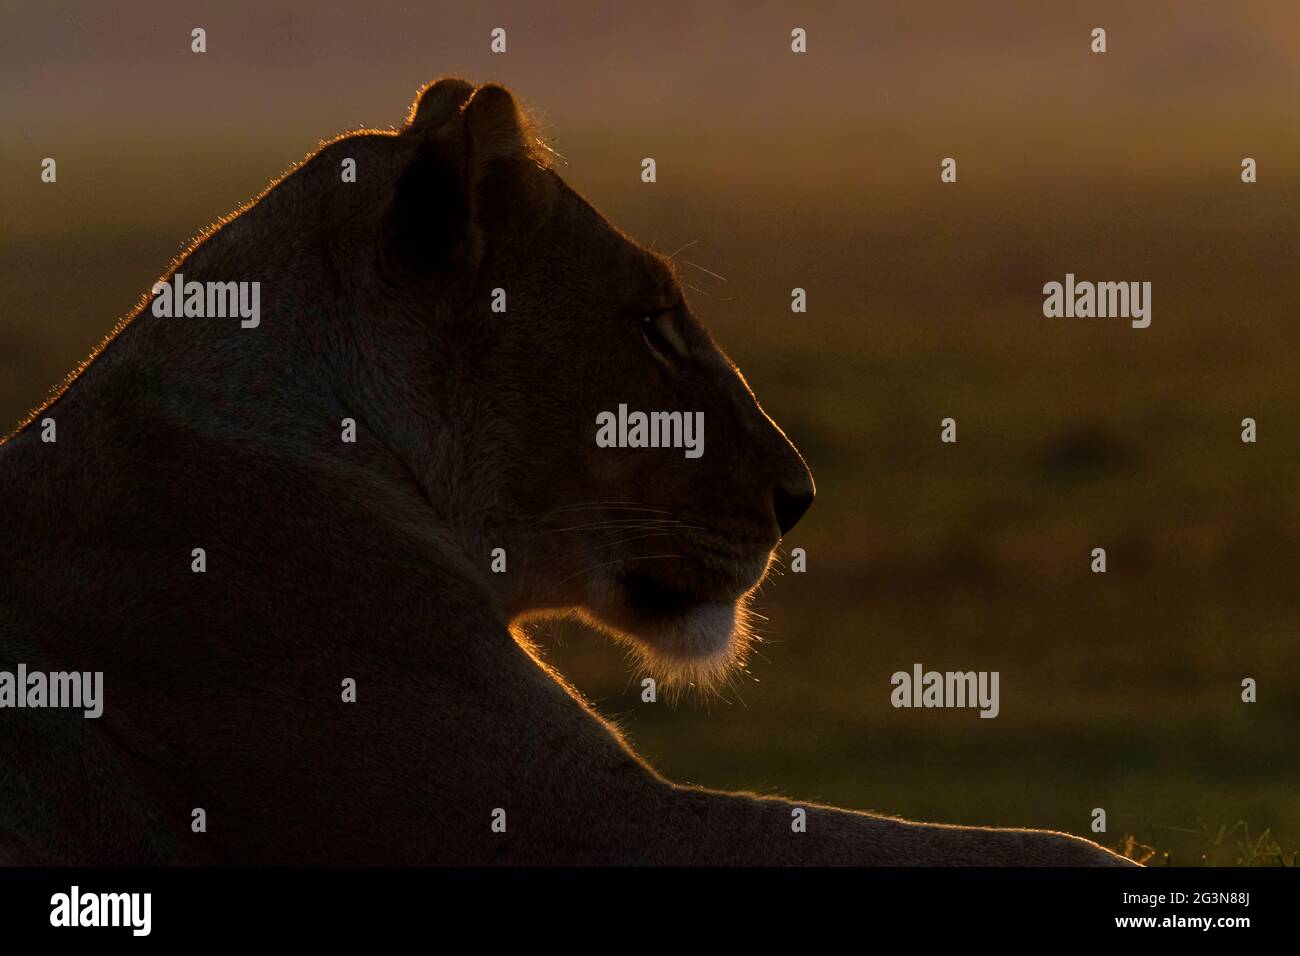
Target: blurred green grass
1119,691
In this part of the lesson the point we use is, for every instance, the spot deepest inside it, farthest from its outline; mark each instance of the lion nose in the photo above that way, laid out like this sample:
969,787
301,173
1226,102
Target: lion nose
791,503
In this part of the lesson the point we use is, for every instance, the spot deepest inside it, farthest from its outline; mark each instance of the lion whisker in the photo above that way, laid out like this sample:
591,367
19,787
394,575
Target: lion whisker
606,564
696,265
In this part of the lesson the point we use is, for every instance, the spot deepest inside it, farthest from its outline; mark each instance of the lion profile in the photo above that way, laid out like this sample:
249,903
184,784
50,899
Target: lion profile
470,323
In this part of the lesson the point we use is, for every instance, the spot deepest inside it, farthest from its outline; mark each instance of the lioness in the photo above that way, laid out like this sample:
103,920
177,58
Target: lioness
305,637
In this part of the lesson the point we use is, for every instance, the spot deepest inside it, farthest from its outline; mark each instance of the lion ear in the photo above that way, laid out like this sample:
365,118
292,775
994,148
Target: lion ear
496,126
438,103
463,177
428,227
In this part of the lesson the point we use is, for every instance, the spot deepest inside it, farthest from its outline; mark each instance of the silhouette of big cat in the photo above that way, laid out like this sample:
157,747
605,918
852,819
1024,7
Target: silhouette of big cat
267,514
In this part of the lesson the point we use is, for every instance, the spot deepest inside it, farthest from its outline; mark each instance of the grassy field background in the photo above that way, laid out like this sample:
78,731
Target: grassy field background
1119,691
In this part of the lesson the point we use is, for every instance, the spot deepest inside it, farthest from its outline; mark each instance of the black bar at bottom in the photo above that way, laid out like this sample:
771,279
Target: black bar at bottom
241,904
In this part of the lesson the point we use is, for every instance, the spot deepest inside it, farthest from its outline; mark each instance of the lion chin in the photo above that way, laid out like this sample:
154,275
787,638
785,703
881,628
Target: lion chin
689,629
702,638
689,645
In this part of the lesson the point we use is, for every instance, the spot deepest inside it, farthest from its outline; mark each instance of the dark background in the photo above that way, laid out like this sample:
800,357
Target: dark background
1120,690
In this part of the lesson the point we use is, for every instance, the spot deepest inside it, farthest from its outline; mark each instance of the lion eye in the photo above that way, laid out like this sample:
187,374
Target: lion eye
661,335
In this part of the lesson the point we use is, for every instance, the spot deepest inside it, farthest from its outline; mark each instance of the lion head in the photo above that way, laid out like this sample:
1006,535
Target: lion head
494,324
